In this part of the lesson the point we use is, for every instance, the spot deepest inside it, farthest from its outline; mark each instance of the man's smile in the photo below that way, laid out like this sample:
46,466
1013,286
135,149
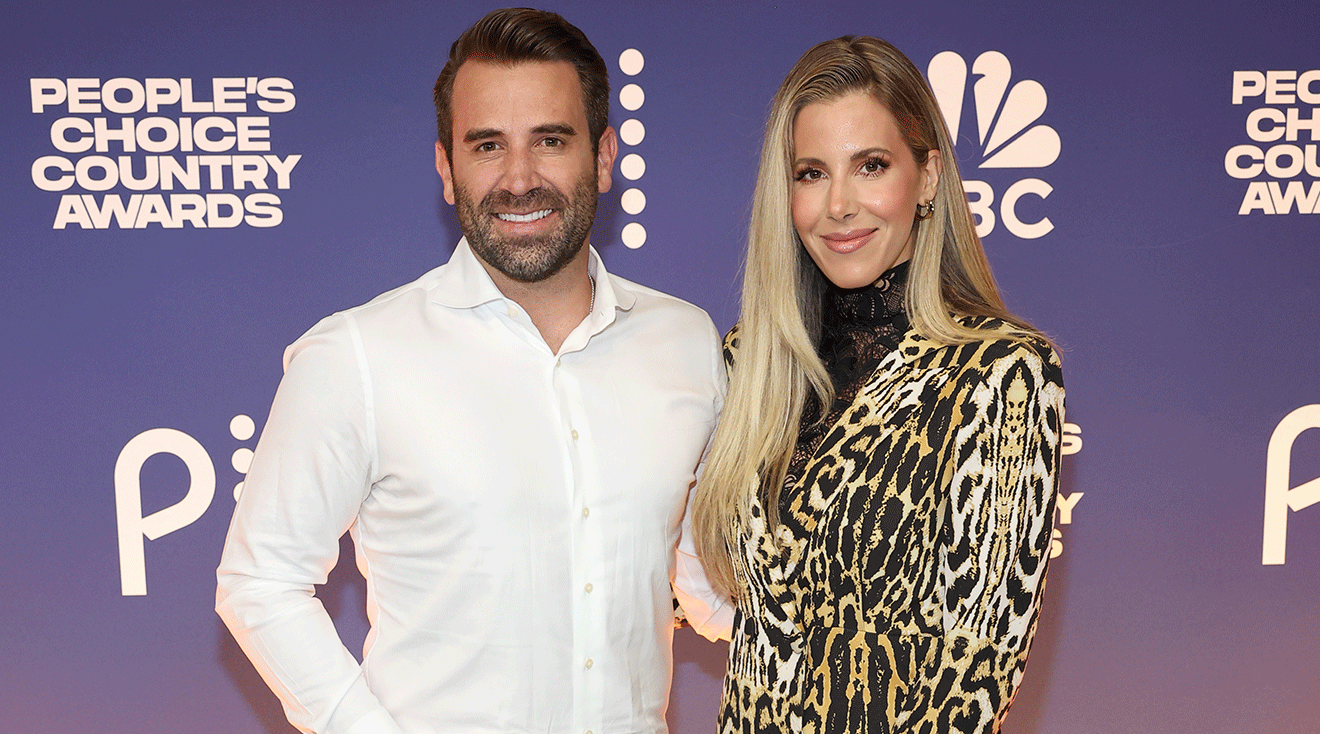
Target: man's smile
529,217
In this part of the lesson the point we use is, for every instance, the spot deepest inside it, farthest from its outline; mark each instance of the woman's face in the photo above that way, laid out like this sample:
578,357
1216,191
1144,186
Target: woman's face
856,188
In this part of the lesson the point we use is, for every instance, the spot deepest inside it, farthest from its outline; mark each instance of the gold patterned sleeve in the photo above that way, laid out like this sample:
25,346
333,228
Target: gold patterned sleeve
731,347
1003,473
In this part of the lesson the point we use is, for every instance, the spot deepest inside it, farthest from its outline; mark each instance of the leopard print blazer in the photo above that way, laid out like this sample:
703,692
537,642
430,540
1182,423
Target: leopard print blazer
901,588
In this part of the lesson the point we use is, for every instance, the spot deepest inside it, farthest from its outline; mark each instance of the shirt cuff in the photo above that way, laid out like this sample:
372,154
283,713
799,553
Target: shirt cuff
376,721
709,613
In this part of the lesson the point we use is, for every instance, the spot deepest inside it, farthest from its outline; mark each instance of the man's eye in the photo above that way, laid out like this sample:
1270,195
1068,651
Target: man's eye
486,147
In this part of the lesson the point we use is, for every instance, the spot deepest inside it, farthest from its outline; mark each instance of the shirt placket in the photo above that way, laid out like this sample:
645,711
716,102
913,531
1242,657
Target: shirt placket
588,596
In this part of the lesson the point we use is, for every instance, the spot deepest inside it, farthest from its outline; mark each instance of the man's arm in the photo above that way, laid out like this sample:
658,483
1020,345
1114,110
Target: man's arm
709,612
312,470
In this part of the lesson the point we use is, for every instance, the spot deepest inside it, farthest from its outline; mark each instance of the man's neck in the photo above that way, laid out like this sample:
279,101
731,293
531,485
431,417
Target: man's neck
555,305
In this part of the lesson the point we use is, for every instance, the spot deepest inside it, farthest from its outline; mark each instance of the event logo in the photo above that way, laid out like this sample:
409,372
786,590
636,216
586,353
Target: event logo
163,139
1065,503
133,526
1279,123
1006,133
1280,495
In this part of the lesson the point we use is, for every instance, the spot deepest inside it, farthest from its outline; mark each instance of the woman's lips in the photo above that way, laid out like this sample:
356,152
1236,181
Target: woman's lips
846,242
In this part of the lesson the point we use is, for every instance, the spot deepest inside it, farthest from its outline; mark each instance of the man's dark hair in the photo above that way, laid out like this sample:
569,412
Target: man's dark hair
515,35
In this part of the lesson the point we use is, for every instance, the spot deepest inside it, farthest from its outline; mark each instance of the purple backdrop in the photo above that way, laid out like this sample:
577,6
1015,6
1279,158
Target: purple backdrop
1145,177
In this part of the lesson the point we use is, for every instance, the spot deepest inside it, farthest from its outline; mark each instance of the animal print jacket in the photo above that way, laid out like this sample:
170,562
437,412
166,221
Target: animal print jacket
900,591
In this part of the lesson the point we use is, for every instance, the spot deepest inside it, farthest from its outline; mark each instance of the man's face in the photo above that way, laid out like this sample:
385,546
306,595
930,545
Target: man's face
522,174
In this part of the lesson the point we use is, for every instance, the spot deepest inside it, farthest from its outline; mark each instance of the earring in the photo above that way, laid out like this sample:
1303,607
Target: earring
925,210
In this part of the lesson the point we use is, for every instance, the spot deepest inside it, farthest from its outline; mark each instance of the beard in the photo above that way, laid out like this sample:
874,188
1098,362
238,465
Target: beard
529,259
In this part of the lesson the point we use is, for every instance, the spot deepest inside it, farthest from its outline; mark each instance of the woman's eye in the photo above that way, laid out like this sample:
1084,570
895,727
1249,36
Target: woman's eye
807,174
874,165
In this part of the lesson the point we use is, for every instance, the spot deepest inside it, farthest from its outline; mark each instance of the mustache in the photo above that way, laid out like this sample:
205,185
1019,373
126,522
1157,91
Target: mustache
537,198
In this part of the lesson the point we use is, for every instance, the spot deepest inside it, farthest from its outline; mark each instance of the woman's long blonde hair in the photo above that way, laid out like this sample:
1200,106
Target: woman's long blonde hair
779,328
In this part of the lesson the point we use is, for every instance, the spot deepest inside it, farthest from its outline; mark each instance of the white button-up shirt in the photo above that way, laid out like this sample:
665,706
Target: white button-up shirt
516,512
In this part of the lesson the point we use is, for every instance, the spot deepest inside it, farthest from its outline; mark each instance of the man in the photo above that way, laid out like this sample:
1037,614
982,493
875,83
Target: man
510,440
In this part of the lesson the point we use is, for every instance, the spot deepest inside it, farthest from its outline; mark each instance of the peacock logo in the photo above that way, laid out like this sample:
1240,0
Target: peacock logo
1008,134
134,527
1281,495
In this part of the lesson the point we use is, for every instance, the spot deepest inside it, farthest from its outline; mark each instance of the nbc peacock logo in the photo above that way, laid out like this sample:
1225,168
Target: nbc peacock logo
1008,136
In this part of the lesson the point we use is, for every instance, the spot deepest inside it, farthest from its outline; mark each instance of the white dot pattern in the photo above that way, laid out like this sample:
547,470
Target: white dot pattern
241,460
632,166
632,132
634,235
632,97
633,201
241,427
631,62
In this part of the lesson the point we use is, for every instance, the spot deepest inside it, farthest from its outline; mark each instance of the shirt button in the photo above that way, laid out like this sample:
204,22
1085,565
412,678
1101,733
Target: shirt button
589,663
588,587
586,512
574,435
513,312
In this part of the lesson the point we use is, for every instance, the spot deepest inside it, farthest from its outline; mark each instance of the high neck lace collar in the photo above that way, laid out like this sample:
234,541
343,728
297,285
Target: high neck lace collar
859,326
873,305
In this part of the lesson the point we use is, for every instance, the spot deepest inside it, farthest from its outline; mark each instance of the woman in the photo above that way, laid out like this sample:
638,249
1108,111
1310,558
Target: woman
879,496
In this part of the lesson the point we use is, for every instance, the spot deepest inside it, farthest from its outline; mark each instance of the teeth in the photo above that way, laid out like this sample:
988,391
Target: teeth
525,217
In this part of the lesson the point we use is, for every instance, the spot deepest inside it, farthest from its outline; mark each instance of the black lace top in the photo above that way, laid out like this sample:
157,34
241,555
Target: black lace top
858,328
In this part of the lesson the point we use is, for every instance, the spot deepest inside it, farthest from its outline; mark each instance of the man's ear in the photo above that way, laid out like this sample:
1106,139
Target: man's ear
608,149
446,172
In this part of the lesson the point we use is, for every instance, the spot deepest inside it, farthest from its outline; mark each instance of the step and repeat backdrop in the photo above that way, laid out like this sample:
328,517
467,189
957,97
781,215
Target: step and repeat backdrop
186,187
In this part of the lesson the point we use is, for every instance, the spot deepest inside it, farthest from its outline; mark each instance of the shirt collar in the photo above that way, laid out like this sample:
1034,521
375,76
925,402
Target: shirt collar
464,283
610,293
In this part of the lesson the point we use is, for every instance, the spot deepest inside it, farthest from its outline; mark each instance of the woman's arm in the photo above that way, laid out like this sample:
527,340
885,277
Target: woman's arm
996,538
